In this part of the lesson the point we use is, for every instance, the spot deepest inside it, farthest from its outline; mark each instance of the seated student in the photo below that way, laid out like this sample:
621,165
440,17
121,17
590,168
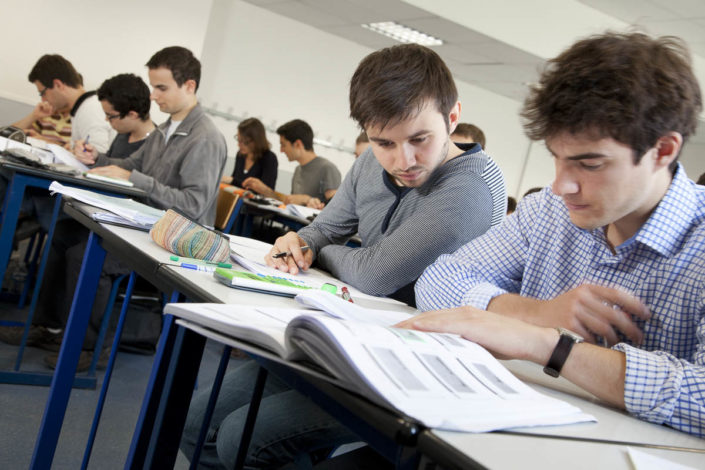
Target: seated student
60,85
125,102
315,177
467,133
255,159
178,166
361,143
613,250
411,196
45,124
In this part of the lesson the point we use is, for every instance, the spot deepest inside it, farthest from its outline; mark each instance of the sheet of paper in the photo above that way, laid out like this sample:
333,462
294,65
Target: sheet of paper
644,461
62,155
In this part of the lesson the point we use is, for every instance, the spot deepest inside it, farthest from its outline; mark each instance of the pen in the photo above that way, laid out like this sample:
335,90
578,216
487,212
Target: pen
202,262
88,137
196,267
284,254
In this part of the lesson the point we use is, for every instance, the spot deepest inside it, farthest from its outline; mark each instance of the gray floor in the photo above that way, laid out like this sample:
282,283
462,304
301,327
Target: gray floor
22,407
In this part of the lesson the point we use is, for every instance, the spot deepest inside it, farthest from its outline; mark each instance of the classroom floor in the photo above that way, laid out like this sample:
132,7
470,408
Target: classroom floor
22,407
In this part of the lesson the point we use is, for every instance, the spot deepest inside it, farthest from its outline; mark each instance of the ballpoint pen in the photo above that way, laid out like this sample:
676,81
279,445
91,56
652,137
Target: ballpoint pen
284,254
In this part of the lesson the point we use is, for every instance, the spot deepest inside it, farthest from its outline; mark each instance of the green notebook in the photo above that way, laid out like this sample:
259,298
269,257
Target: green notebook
284,285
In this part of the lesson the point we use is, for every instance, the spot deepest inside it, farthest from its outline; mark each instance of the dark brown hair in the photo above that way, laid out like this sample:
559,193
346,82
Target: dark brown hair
393,84
52,67
630,87
180,61
470,130
253,130
297,130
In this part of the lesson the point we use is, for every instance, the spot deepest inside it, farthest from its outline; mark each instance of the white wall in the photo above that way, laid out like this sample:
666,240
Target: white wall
100,37
264,65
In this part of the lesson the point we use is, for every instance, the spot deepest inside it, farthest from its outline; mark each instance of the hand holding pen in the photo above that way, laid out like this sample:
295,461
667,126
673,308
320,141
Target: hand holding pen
85,152
290,254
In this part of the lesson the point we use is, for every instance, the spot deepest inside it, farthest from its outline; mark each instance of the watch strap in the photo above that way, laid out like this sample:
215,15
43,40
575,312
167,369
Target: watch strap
560,354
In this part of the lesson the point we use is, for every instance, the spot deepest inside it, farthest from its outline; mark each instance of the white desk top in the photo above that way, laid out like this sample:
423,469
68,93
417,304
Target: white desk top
613,425
503,451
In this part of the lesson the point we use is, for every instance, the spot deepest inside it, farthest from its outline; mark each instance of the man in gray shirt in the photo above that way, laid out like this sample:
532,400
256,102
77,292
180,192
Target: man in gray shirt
411,196
315,180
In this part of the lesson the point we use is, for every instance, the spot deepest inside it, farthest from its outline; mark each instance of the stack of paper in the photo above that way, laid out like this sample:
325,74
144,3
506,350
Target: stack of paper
132,212
302,211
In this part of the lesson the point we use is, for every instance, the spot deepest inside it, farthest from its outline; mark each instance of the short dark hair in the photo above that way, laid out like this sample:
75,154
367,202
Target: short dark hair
52,67
297,130
470,130
511,204
701,180
180,61
253,130
393,84
126,92
629,87
362,138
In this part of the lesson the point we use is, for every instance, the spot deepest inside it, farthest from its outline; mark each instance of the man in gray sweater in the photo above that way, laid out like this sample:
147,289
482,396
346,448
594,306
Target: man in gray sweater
178,166
412,196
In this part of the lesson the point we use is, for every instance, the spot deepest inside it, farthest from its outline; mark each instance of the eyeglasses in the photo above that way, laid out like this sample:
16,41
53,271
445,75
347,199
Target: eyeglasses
110,117
41,93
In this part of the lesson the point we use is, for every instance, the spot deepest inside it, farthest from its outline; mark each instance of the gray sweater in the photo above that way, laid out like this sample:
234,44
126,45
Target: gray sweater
403,230
182,173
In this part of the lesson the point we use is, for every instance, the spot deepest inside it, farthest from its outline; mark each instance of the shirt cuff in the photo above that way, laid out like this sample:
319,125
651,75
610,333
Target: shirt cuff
649,391
140,180
481,295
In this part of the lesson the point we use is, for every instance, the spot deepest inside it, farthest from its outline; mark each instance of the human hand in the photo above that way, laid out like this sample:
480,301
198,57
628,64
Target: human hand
112,171
505,337
42,110
255,184
315,203
591,310
85,152
227,179
298,260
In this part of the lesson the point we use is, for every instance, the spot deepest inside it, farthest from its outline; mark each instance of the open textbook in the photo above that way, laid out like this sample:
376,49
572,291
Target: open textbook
440,380
116,210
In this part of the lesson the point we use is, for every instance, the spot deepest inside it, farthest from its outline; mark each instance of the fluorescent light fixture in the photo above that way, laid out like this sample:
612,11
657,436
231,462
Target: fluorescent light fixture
402,33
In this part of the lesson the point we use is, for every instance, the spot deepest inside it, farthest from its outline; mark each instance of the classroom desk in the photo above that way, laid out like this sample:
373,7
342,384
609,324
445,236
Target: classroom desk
172,380
584,445
21,177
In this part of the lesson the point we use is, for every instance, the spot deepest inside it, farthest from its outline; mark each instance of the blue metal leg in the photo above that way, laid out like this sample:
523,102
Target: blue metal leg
145,422
251,418
60,391
40,277
104,324
10,214
222,367
108,371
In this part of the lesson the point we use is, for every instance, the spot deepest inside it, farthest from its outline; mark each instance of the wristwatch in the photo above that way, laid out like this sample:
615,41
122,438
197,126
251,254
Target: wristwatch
560,353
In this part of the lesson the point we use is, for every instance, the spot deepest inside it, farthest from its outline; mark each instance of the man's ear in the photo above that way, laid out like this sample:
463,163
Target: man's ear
298,145
667,148
190,85
57,84
454,117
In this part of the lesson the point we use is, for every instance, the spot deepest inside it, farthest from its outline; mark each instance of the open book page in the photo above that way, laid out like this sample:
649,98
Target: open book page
129,209
61,155
441,380
250,255
262,327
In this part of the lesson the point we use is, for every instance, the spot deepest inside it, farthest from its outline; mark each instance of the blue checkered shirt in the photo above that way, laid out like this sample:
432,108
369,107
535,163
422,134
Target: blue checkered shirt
537,252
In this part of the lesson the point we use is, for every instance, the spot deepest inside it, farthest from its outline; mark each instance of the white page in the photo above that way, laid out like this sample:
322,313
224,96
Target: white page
442,380
64,156
132,210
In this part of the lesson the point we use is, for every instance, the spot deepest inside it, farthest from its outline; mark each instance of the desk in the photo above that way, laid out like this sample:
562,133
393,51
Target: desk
23,176
171,383
583,445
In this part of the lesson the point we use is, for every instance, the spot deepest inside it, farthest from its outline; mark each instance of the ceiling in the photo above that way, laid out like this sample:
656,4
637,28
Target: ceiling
500,46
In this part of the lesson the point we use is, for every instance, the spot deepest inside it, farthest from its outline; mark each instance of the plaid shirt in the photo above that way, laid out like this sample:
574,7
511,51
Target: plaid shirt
539,253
